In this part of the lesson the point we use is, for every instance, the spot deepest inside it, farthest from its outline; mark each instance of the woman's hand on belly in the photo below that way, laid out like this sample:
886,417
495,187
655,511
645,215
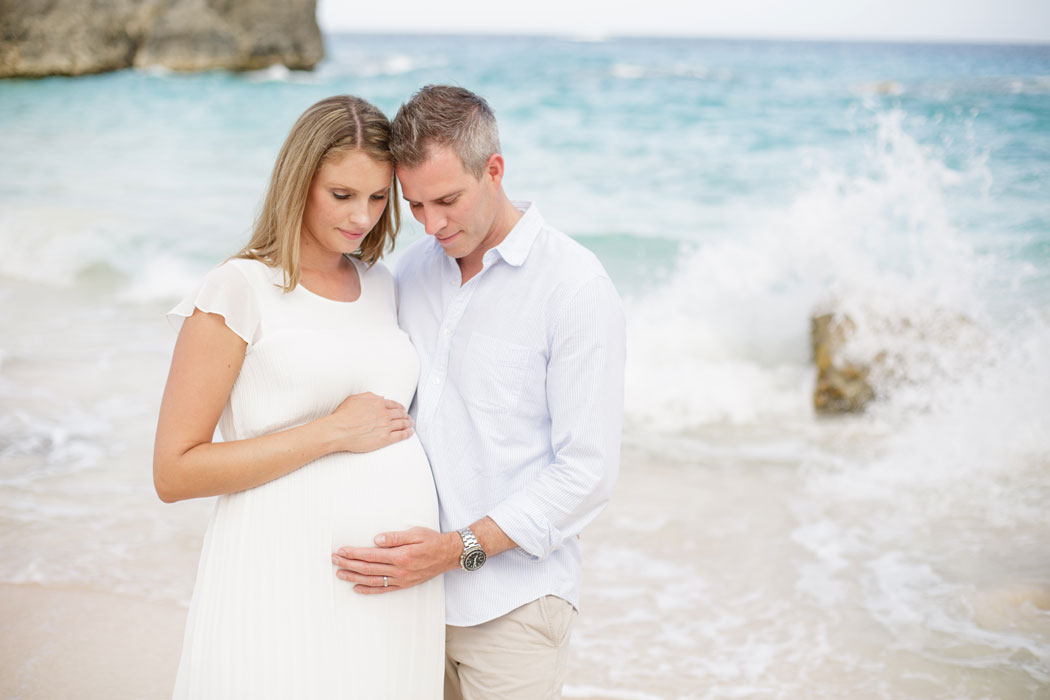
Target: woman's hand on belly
367,422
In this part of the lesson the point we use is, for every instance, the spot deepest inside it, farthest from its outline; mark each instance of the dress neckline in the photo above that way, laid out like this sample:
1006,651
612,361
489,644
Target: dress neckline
358,265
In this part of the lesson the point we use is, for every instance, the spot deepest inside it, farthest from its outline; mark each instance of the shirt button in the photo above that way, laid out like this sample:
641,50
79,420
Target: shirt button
448,331
435,380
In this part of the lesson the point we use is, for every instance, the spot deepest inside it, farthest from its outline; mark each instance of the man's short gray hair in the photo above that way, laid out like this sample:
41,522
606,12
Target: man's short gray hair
443,115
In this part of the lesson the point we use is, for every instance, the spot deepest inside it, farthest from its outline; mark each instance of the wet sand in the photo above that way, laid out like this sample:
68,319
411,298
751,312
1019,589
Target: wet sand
714,573
61,643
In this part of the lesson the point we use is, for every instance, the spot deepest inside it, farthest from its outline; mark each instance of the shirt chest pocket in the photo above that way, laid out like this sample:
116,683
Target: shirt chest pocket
494,373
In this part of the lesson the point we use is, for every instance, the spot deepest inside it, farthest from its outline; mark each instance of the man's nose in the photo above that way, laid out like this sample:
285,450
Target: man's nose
433,221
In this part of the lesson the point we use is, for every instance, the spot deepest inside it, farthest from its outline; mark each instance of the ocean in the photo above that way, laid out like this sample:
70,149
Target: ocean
733,189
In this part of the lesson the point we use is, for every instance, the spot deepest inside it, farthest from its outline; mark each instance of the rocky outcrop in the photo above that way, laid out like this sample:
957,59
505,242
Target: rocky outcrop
842,385
73,37
907,359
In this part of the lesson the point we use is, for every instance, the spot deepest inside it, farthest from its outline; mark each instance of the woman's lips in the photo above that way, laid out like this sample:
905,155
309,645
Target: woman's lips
351,235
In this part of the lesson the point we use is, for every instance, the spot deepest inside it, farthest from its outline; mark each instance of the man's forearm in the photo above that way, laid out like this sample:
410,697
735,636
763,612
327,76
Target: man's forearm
491,537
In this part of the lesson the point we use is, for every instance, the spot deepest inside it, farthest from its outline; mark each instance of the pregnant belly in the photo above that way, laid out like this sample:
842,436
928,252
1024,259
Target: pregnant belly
373,492
342,499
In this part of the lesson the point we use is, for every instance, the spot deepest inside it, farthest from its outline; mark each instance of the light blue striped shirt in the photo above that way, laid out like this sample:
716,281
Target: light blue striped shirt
519,404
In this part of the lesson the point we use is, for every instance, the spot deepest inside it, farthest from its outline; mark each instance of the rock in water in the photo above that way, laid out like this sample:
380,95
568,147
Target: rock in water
74,37
842,386
909,359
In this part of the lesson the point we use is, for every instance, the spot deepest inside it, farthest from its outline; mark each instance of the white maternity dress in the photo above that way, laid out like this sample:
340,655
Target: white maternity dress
269,618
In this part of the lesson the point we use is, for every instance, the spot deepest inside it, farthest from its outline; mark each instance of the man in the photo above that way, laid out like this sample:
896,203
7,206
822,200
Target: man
519,406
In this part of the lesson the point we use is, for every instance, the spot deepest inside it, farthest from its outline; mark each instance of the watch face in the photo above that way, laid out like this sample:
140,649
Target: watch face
474,560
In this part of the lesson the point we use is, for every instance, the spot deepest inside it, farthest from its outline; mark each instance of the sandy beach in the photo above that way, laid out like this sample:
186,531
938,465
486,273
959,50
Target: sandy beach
657,560
83,644
95,645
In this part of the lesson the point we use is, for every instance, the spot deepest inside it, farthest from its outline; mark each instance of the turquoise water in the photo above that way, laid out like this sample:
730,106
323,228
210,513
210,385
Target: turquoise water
733,188
681,140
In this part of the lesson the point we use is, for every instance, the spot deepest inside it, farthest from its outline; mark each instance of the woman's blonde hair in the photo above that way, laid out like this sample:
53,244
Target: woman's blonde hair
328,129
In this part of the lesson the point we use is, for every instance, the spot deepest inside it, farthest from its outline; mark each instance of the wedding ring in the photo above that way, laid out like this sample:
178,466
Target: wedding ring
386,582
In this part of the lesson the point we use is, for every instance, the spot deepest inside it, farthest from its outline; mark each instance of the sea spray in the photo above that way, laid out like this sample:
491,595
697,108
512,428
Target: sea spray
726,339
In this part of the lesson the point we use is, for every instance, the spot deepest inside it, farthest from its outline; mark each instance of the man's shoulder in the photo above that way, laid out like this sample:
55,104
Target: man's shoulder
564,257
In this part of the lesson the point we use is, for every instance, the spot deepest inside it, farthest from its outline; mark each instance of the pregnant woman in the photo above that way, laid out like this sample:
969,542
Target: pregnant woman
292,349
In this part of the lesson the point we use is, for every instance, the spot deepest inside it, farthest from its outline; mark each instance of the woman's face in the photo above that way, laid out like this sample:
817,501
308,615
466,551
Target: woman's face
346,199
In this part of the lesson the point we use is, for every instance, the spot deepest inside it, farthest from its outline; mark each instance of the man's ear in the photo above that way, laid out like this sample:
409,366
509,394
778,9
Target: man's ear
494,168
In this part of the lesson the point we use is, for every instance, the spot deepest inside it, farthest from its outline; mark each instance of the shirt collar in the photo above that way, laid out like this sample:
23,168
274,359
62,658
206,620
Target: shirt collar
516,246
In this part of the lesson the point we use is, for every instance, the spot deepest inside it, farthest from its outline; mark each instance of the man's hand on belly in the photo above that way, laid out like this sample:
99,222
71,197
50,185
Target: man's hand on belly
399,560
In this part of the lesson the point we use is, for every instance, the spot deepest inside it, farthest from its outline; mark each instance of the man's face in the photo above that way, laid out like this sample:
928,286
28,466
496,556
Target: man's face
453,206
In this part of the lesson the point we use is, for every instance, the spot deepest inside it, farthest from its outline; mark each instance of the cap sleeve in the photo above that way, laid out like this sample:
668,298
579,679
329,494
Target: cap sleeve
227,292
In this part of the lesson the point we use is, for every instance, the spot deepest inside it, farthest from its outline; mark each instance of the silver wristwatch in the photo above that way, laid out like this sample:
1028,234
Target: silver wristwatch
473,555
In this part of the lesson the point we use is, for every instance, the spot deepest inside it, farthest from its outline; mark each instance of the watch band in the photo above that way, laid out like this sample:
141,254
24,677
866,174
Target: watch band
469,539
473,556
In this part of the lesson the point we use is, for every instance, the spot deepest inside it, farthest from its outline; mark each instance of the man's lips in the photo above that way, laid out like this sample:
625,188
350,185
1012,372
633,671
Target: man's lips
447,239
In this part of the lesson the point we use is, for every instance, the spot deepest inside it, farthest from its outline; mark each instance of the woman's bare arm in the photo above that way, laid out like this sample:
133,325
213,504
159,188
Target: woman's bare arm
204,367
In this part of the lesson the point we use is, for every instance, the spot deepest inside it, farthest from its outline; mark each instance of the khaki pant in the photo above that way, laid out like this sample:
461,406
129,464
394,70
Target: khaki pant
520,655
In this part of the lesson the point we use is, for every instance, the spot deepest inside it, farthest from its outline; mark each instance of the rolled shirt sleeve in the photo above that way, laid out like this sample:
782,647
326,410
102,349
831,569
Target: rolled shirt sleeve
585,388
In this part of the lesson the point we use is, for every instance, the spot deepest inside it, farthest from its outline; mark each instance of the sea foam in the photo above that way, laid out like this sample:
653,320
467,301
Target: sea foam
727,338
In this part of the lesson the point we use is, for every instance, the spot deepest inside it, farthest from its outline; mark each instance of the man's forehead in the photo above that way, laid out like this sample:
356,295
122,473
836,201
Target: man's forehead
439,175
